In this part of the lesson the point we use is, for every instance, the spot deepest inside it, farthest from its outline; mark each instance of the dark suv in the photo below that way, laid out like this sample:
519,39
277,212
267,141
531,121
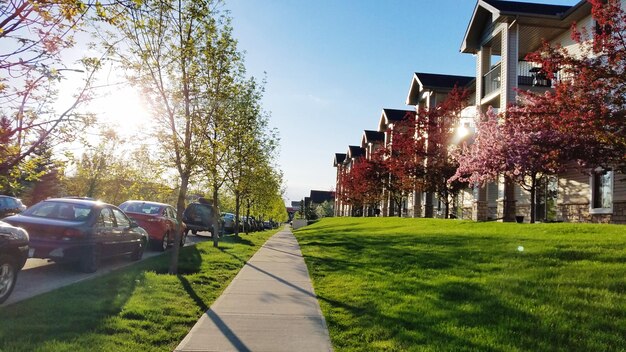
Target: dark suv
13,255
10,206
198,216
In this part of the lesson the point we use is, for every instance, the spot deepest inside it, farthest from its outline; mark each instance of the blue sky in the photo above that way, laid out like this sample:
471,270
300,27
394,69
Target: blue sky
332,66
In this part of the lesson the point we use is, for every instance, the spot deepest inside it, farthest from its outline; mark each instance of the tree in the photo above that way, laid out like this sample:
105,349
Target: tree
404,160
324,210
581,119
249,142
166,50
518,146
441,163
588,103
363,185
36,34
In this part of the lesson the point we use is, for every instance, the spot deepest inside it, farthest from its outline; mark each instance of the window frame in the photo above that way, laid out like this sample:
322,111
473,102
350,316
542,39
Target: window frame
595,191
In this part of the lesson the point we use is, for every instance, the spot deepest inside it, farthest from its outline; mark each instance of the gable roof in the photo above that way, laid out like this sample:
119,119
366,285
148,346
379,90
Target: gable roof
436,82
549,17
339,159
527,8
389,116
355,151
319,197
372,136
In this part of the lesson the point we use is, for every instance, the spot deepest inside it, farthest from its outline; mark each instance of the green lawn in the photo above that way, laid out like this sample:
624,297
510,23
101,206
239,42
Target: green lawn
140,308
445,285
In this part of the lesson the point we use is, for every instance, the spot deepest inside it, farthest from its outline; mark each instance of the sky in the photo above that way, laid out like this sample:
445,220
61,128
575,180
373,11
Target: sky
333,65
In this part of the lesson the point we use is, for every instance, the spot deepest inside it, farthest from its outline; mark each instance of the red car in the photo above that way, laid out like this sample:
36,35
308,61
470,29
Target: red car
158,219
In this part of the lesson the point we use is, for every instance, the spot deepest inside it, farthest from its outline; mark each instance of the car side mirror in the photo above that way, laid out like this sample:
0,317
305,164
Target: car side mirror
133,223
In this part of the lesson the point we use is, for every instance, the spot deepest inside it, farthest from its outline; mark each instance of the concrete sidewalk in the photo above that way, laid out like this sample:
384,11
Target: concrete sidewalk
269,306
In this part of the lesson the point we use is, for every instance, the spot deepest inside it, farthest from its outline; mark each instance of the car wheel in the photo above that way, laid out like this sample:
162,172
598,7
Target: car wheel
165,243
195,232
183,238
138,252
90,260
8,275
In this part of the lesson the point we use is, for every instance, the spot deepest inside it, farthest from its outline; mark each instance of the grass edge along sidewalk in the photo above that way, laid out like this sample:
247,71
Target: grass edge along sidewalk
138,308
447,285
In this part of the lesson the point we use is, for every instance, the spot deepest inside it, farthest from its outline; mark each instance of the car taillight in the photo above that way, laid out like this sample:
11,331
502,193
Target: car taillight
71,233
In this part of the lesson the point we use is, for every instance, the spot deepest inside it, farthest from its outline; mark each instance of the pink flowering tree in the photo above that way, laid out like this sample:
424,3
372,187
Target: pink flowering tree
519,147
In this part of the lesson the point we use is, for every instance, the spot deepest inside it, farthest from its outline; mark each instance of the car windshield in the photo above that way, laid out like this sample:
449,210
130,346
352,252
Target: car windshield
142,208
60,210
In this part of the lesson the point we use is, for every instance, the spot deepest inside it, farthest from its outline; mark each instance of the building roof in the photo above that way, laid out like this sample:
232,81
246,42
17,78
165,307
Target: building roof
373,136
354,151
339,159
319,197
548,19
436,82
527,8
389,116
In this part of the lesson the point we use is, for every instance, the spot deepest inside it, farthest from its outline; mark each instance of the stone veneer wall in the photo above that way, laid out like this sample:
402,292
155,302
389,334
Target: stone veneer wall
573,212
619,213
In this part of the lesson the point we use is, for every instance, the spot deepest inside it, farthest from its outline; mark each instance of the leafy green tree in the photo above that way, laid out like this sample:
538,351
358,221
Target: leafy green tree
326,209
172,48
34,34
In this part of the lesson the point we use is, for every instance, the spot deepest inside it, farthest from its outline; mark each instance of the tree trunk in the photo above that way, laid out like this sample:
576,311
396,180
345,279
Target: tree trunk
216,217
237,207
246,226
533,192
180,208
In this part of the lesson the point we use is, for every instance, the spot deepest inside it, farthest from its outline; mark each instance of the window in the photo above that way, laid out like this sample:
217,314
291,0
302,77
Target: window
122,220
106,218
602,191
170,213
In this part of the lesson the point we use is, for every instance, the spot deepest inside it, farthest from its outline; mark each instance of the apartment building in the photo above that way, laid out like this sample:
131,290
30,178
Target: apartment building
500,34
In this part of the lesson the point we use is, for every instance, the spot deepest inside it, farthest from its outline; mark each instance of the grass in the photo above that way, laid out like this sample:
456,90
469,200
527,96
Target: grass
444,285
139,308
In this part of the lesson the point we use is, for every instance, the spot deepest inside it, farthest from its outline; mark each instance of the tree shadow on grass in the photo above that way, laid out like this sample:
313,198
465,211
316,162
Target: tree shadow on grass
66,314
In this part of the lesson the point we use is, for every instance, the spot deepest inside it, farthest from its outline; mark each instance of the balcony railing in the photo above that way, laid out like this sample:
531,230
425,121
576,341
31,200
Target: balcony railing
491,80
527,75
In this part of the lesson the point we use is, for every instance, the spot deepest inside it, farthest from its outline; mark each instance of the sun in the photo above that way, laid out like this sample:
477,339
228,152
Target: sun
122,107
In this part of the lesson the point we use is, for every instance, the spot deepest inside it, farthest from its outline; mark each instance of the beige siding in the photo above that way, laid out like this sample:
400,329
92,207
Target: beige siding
619,188
521,195
574,188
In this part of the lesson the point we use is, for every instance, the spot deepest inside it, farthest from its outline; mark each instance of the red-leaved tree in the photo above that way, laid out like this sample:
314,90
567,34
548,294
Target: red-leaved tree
442,123
404,159
588,103
362,186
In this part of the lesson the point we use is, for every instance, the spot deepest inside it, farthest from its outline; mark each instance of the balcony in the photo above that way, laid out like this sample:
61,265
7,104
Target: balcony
527,75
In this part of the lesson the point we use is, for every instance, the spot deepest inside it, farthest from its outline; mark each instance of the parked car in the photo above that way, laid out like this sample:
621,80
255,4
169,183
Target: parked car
79,230
10,206
158,219
13,255
198,217
247,224
229,222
